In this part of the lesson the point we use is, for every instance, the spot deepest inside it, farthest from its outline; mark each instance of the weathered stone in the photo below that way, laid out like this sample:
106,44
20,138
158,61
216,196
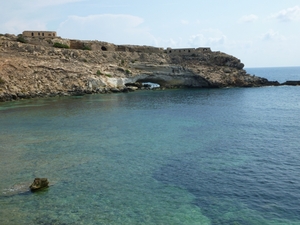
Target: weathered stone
39,183
36,69
115,90
227,70
132,88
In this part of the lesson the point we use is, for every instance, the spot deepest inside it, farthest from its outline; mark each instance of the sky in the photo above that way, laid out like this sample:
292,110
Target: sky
261,33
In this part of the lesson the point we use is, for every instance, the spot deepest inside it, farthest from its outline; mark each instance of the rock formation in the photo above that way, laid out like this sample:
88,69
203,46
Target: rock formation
39,183
32,67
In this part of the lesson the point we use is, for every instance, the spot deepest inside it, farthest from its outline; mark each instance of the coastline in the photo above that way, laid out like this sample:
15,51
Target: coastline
35,68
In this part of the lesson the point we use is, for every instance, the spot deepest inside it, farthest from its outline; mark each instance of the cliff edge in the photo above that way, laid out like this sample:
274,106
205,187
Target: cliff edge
38,67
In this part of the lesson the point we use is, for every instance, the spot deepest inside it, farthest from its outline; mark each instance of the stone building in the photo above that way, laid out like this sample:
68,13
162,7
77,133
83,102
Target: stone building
187,51
42,34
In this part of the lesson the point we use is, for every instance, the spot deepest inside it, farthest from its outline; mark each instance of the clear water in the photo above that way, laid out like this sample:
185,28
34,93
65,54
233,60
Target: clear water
280,74
219,156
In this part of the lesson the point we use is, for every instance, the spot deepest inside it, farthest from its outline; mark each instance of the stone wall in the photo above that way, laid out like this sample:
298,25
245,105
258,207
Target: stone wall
39,34
187,51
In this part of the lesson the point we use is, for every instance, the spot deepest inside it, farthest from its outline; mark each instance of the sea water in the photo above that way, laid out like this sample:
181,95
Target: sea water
195,156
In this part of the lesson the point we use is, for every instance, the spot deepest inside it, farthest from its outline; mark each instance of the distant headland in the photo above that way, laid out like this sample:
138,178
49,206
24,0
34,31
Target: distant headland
40,64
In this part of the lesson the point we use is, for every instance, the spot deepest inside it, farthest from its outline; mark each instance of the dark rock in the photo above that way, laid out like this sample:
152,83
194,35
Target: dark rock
136,84
115,90
266,82
78,93
39,183
291,82
147,85
88,92
125,90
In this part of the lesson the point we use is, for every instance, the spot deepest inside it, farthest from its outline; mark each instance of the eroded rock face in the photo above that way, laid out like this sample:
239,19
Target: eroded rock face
39,70
39,183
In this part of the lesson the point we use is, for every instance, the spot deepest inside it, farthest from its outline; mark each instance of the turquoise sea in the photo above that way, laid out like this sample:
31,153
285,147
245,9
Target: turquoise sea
195,156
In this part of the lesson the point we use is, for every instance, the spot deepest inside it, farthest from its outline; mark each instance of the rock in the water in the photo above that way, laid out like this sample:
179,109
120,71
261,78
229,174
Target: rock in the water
39,183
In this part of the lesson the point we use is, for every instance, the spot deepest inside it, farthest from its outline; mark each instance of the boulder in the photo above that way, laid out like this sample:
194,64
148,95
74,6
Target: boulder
115,90
39,183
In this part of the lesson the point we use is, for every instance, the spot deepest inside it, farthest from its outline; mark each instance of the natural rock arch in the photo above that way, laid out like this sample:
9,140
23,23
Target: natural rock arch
164,80
160,82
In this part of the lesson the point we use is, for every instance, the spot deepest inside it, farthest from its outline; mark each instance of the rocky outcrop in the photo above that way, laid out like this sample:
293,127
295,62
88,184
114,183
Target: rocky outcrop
37,69
292,82
39,183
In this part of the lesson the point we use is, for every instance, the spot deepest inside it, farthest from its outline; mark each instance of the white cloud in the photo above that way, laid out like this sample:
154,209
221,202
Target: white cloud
184,22
114,28
290,14
272,35
216,41
55,2
197,40
16,26
40,4
248,18
210,38
19,15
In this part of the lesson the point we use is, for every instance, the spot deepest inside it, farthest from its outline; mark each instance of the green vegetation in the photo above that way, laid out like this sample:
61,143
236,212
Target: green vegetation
122,62
2,81
21,39
99,72
60,45
86,48
127,71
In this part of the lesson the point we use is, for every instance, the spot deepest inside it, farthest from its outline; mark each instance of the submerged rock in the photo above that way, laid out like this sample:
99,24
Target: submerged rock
39,183
20,188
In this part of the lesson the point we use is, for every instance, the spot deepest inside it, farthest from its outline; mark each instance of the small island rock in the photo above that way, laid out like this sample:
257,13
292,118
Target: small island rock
39,183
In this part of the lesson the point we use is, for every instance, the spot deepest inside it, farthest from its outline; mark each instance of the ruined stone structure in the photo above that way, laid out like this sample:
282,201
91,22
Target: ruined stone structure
42,34
187,51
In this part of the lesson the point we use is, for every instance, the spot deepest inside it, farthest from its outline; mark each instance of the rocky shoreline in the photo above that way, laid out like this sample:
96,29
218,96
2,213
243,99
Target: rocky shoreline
33,67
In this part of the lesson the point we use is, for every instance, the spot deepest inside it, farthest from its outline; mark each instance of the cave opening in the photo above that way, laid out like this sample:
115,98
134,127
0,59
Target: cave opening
103,48
152,82
150,85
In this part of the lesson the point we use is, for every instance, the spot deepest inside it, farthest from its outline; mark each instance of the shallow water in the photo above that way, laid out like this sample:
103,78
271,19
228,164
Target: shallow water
219,156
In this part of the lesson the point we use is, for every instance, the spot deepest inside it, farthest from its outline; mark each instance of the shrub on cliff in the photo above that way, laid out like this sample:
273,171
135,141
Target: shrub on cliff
2,81
60,45
86,48
21,39
99,73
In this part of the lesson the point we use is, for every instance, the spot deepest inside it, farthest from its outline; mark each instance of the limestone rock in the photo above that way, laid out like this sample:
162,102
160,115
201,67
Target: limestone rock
37,69
39,183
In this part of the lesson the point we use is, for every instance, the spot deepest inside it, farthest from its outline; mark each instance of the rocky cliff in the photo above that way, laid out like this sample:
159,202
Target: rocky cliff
32,67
